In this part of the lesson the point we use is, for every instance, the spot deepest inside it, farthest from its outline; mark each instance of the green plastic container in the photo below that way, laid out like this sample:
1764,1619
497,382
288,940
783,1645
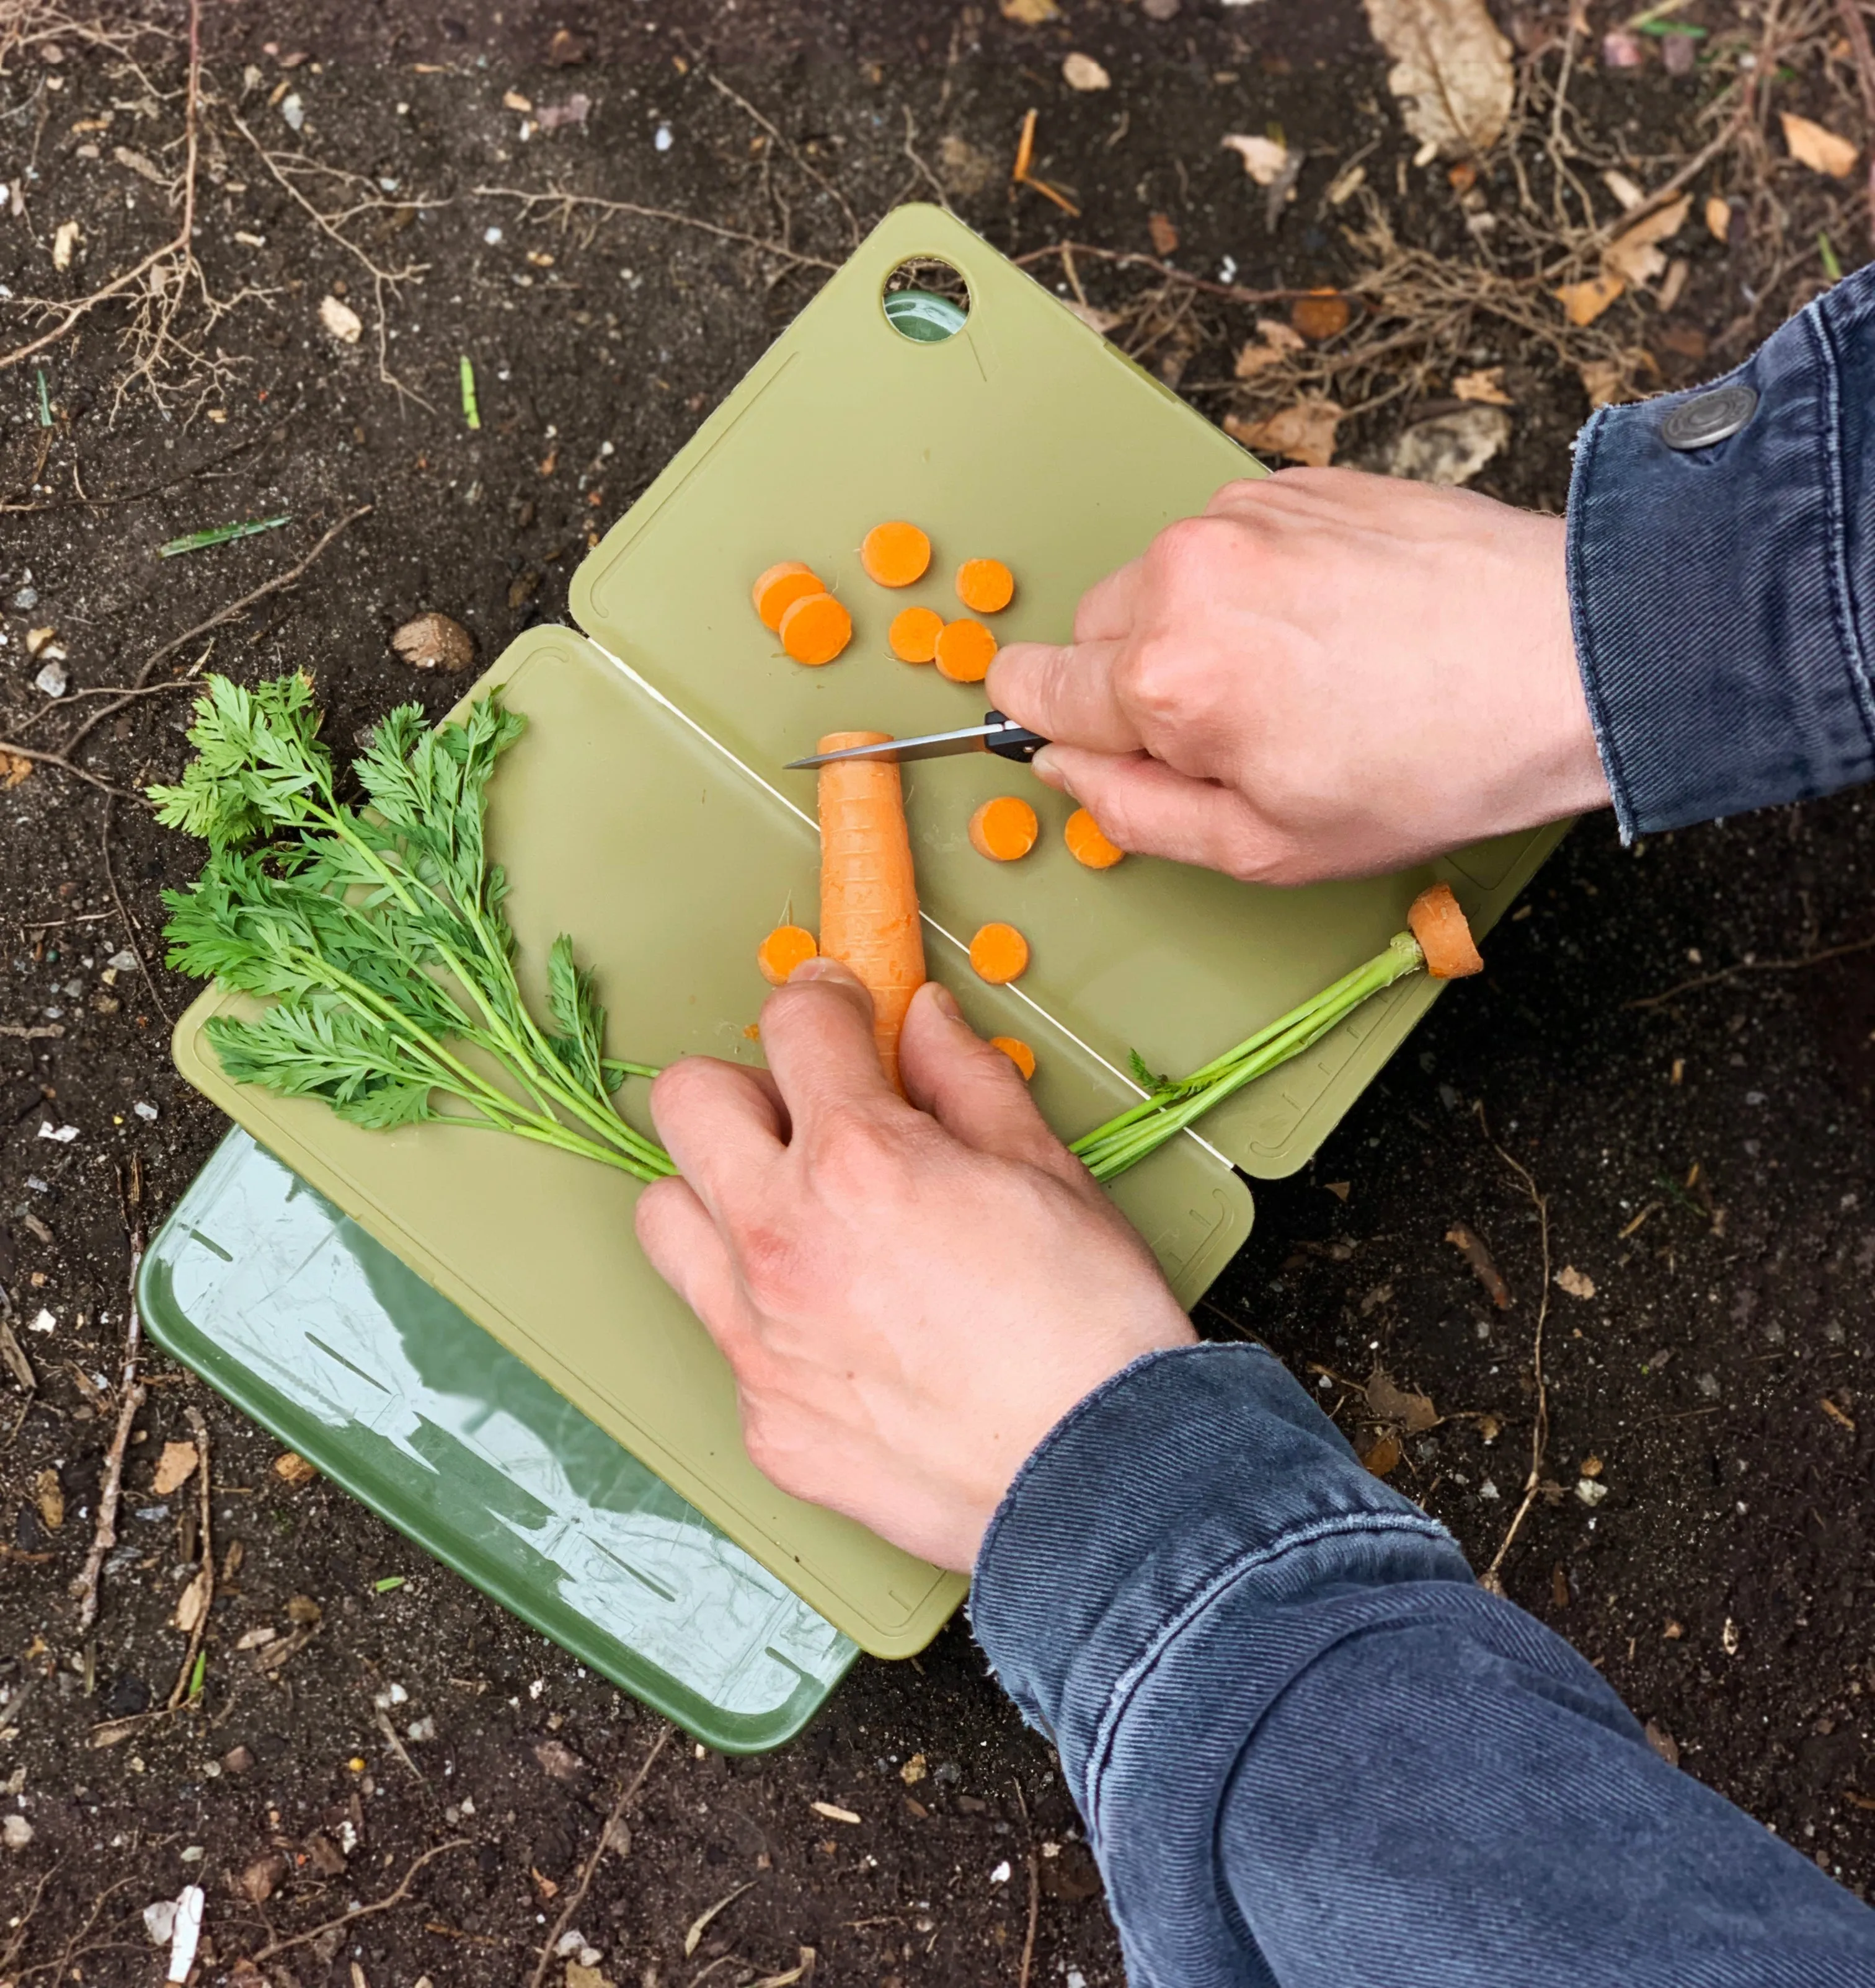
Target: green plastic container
290,1310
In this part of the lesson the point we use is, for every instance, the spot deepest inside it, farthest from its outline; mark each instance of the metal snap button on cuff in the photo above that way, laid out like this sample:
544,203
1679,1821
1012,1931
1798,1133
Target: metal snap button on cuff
1709,418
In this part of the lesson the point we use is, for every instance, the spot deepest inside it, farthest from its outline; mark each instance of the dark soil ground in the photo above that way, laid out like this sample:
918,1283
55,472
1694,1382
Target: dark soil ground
1707,1162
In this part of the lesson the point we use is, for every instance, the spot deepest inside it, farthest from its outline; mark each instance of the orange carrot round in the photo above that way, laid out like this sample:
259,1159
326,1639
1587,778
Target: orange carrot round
913,635
999,953
895,554
1018,1052
780,586
816,628
868,895
1004,829
1445,937
1086,844
964,650
985,585
784,949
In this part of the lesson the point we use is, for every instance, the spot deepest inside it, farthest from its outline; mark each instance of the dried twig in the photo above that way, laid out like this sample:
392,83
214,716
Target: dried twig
180,244
1856,27
793,152
577,1895
565,202
84,1588
1726,973
65,765
1492,1578
1028,1939
123,912
274,1948
179,1691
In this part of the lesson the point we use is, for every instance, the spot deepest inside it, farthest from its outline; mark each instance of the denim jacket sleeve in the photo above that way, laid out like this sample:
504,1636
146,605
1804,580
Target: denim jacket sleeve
1724,598
1310,1751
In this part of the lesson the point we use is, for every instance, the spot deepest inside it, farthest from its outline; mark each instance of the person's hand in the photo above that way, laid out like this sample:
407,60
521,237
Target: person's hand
911,1295
1328,674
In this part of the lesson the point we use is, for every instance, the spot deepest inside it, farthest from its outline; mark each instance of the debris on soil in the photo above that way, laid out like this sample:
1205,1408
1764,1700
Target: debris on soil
1304,433
174,1468
1577,1283
1470,1245
434,641
1451,72
1449,449
1388,1402
291,1468
1081,72
341,321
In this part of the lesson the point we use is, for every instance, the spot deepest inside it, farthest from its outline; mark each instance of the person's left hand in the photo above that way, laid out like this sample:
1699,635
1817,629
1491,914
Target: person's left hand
910,1295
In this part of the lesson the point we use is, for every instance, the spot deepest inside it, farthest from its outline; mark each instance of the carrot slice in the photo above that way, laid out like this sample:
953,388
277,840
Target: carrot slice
868,895
895,554
1004,830
815,629
1086,844
1445,935
780,586
1018,1052
999,953
964,650
913,635
784,949
985,586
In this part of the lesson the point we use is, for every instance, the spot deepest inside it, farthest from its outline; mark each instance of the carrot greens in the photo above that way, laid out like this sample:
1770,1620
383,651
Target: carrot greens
379,933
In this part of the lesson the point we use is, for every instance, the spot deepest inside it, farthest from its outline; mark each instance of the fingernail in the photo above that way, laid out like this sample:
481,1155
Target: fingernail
1047,768
944,1001
814,969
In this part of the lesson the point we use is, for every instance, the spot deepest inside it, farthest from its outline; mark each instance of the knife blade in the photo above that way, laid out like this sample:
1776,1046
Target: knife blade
997,734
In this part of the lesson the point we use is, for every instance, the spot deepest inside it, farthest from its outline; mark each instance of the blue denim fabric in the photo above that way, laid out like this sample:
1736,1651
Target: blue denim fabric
1722,598
1310,1752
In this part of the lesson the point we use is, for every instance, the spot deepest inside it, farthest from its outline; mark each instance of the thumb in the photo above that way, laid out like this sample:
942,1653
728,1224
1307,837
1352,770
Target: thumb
1150,809
1063,693
973,1091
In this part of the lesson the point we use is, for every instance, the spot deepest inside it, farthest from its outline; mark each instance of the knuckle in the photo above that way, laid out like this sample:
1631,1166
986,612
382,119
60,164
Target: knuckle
1153,677
777,1272
855,1157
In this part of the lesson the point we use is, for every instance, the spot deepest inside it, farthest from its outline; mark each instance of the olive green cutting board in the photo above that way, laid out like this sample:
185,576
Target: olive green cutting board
645,812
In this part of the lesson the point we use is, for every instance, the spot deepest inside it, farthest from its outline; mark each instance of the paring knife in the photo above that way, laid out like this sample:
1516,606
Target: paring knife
997,734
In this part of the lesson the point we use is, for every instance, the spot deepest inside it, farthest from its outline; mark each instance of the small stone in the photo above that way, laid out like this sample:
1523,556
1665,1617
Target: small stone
341,321
26,599
15,1832
660,140
293,111
160,1922
53,681
41,1321
434,641
1001,1875
1081,72
238,1760
1589,1491
1159,10
145,1111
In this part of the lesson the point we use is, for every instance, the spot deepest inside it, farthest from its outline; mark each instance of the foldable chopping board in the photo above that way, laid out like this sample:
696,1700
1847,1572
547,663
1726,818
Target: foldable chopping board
645,812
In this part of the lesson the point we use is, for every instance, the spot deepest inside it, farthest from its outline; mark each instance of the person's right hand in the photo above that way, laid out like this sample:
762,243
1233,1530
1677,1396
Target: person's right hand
1328,674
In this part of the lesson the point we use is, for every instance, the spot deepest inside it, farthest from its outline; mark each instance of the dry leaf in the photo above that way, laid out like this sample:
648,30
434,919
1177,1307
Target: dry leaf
433,642
965,169
1264,160
137,163
1486,386
192,1604
174,1468
1818,147
64,241
1718,218
702,1919
1029,13
802,1972
1672,286
579,1975
1081,72
558,1759
1663,1743
1584,302
1624,190
1096,319
1321,315
1254,354
1451,71
1634,254
261,1878
1470,1245
1392,1403
49,1495
302,1609
340,320
1448,450
13,770
1304,433
291,1468
1606,382
1381,1456
1164,233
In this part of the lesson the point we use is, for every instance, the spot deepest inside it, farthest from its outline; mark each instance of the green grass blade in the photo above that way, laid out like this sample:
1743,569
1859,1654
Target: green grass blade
220,535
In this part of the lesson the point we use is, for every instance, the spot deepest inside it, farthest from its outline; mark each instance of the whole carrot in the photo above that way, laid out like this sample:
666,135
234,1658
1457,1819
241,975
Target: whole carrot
868,895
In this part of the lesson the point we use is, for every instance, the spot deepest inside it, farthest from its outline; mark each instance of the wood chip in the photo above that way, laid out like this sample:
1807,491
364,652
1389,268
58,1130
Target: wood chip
291,1468
174,1468
48,1496
193,1602
832,1814
1836,1415
1483,1267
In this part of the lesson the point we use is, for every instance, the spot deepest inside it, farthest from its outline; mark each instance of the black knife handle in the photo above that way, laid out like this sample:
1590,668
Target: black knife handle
1014,744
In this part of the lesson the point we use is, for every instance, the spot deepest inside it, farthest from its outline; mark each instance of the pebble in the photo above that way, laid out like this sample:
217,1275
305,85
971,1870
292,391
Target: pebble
15,1832
43,1323
1001,1875
53,679
293,110
26,599
144,1110
663,141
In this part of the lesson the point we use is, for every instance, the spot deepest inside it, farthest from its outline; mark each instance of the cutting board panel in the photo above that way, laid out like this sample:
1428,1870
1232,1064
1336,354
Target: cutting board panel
1030,438
618,822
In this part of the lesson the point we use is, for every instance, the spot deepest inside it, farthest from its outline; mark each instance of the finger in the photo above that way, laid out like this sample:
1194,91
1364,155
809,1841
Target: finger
1064,693
973,1090
687,1250
817,1031
722,1125
1150,809
1107,608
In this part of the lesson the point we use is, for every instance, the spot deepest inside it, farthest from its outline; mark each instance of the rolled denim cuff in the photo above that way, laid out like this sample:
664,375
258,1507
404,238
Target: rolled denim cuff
1721,595
1196,1476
